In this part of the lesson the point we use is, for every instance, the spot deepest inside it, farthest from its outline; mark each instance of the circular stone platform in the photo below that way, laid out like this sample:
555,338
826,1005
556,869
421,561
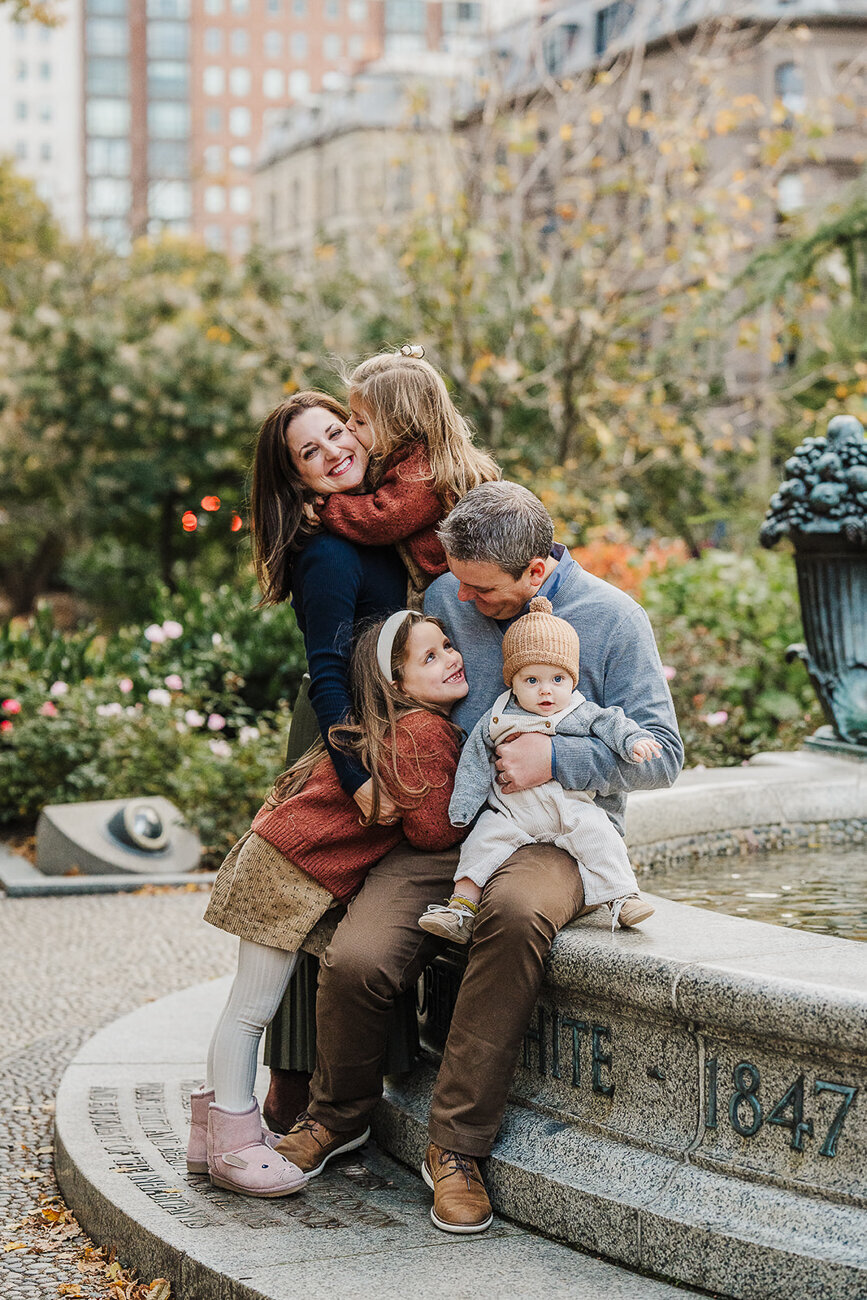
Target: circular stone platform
362,1229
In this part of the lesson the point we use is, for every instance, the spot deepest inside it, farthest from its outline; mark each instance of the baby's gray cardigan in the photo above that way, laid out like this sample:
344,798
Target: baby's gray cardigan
475,771
620,665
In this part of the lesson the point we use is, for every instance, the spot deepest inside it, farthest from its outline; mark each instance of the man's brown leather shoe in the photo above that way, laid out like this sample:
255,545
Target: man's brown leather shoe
310,1145
460,1201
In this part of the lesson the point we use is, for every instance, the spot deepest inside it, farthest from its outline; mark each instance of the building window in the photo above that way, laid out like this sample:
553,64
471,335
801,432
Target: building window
168,40
356,11
272,7
213,120
168,158
239,81
168,8
213,40
108,157
240,199
299,84
299,45
240,6
21,150
240,156
107,117
169,200
21,110
612,22
214,158
239,41
46,111
273,44
789,87
168,80
168,121
272,83
214,238
214,80
405,16
241,239
239,121
117,7
299,8
45,71
213,6
356,47
557,41
108,197
45,151
332,10
20,70
106,36
107,77
790,193
215,198
331,48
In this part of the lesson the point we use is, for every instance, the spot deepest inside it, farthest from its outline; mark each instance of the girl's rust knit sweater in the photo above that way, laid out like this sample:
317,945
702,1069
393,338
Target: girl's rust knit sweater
318,828
403,508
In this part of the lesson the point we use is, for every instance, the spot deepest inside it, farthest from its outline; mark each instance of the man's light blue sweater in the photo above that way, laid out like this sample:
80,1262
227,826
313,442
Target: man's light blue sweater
619,665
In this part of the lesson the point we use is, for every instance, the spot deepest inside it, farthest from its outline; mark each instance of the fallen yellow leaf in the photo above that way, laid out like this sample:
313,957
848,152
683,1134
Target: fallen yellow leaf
159,1289
15,1245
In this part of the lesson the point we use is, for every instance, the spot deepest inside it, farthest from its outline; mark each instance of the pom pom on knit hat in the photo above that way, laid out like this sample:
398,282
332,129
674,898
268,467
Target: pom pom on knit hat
540,638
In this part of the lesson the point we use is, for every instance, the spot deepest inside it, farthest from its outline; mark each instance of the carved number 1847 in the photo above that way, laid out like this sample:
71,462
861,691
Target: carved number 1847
746,1115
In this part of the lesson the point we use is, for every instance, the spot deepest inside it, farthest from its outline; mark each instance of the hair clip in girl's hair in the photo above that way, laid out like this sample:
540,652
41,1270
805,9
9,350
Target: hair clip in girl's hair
412,350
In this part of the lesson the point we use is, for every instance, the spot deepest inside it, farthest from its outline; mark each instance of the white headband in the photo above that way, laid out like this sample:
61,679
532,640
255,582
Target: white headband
385,641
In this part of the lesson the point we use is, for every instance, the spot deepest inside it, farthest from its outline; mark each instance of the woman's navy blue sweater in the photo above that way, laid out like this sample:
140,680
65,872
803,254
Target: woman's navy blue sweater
335,584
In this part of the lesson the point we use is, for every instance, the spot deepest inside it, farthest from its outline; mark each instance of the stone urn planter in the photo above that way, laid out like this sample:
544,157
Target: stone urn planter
822,507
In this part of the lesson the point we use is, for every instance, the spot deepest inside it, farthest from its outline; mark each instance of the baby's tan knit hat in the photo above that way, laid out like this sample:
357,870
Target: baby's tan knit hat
540,638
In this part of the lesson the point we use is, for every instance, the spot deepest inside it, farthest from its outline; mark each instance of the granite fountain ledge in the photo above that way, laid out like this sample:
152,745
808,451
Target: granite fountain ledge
691,1095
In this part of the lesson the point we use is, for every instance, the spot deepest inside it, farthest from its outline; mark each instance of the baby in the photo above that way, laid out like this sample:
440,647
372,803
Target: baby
540,666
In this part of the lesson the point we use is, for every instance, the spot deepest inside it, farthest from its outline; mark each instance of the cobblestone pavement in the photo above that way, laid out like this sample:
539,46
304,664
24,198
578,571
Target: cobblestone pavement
67,967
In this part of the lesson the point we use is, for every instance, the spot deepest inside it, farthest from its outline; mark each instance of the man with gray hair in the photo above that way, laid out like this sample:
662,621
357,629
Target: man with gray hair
501,552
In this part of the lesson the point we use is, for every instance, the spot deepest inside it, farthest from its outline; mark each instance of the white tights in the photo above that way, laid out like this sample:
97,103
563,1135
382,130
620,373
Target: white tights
259,985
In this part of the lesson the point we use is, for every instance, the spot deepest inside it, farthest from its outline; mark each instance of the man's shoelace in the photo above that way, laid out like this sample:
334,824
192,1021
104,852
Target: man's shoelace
461,1165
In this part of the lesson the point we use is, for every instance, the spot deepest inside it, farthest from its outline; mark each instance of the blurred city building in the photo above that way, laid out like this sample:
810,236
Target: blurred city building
40,107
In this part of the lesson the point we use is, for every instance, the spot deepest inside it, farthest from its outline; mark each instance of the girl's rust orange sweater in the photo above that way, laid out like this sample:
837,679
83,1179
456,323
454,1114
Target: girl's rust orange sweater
318,828
403,508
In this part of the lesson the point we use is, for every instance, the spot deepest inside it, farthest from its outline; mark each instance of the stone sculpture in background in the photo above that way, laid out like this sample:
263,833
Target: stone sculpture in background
822,507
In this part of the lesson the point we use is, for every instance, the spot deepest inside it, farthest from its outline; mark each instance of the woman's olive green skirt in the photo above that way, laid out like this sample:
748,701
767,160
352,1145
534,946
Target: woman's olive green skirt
290,1043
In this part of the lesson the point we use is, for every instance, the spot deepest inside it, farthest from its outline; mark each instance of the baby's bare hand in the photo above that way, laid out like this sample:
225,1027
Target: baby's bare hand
643,750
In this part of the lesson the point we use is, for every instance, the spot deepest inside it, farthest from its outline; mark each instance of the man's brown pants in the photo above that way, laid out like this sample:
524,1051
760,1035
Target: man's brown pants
378,950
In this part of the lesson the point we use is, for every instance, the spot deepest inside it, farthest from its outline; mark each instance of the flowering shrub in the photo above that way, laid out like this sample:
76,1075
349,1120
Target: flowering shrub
723,623
628,566
194,706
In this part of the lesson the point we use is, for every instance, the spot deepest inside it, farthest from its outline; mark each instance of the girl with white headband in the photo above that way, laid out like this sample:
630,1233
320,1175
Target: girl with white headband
308,850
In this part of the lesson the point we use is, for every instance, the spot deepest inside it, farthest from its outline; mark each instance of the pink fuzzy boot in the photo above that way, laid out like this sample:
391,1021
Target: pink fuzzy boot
240,1161
197,1144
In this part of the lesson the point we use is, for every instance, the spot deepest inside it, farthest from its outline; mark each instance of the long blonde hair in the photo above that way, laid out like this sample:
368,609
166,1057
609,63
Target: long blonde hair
371,733
406,401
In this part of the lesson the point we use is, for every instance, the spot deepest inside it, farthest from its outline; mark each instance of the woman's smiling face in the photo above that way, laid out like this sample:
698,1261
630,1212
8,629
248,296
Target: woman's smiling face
326,455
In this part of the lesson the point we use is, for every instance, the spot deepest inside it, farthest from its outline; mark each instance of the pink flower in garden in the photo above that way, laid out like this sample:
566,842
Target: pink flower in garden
221,748
5,725
216,722
216,639
48,709
172,629
247,734
193,718
155,634
125,684
668,672
159,696
109,710
11,706
58,688
174,682
715,719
